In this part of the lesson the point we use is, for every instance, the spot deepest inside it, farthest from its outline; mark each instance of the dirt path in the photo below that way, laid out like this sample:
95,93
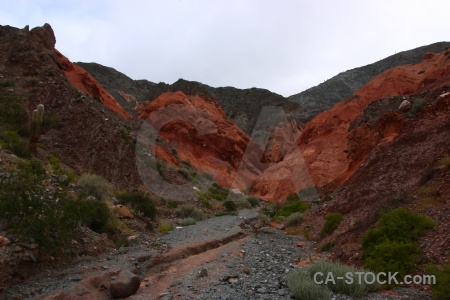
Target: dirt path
219,258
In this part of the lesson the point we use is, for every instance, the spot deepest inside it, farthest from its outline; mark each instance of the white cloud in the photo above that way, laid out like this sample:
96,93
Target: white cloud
284,46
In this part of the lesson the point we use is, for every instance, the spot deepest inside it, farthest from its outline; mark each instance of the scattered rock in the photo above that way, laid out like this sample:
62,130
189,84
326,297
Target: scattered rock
76,278
123,211
4,241
203,273
404,106
261,291
125,285
281,227
63,179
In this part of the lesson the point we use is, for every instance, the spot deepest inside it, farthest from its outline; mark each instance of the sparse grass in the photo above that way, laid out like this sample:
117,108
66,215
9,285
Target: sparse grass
417,105
392,246
294,219
165,227
263,220
190,211
187,222
444,162
304,288
94,185
441,290
338,270
332,221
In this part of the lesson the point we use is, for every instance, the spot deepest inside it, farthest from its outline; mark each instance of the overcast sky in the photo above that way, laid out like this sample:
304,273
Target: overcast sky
284,46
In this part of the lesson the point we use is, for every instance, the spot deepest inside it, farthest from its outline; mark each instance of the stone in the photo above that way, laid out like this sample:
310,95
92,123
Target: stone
203,273
123,211
261,291
125,285
4,241
281,227
404,106
246,270
63,179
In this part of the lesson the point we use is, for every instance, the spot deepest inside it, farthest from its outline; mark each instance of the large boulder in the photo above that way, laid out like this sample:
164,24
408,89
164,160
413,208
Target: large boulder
125,285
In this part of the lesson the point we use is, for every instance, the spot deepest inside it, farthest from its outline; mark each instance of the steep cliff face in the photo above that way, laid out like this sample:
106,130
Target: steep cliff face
199,132
333,150
84,81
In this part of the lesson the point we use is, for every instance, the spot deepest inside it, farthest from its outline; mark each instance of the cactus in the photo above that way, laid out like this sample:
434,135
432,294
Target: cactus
36,121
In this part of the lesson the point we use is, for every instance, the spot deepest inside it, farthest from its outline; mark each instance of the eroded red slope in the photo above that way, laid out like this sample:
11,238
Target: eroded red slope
84,81
199,131
325,140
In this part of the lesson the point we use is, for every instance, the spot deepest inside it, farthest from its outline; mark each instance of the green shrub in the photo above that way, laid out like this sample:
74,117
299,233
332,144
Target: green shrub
140,202
444,162
294,219
392,246
165,227
190,211
230,205
14,115
218,191
31,211
332,221
94,214
292,206
187,222
417,105
304,288
441,290
355,288
13,142
327,247
254,201
94,185
391,256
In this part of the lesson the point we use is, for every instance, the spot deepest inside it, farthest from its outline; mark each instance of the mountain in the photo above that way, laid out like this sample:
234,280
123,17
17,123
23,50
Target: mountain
84,121
381,142
335,144
242,106
342,86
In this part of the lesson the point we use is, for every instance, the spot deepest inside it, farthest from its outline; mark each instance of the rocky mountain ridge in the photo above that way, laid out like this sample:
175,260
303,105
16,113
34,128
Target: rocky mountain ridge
342,86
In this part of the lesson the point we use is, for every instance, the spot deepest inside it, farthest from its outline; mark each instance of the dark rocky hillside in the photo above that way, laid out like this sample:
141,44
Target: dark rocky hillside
342,86
241,106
